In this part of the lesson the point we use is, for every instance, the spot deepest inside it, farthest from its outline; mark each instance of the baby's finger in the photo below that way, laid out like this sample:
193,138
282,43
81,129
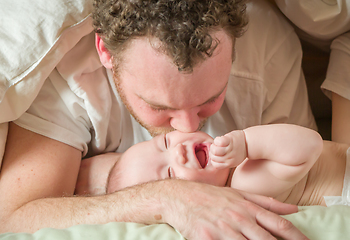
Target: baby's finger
217,150
218,159
222,141
219,165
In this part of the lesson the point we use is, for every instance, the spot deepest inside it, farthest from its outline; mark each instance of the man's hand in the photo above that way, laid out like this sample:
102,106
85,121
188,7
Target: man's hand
93,174
229,150
201,212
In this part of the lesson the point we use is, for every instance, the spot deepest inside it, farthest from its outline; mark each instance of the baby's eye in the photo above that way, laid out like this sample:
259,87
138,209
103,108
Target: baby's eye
171,172
165,142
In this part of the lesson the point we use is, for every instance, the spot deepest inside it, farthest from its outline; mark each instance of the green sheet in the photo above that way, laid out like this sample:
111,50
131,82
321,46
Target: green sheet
323,223
316,222
109,231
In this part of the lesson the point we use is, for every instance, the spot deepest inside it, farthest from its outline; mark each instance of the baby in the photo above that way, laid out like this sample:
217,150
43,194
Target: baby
287,162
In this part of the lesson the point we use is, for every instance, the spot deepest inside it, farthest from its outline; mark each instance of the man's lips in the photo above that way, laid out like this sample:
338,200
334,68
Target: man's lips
201,151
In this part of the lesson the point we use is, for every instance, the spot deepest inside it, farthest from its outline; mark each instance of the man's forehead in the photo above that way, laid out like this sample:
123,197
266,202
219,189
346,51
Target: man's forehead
158,104
154,78
154,45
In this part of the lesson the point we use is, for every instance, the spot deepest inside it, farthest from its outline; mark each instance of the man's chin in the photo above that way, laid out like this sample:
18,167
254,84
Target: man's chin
157,131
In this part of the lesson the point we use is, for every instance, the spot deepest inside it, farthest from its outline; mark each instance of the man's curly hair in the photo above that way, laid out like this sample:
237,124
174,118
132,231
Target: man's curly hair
183,27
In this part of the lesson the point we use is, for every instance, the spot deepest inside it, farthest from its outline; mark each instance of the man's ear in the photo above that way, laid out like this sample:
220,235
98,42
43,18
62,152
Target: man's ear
103,53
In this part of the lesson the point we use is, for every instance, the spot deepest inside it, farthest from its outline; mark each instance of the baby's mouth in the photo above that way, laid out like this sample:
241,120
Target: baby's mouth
201,152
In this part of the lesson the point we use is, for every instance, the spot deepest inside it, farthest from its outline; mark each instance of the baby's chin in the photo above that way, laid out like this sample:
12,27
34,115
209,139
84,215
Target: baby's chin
216,177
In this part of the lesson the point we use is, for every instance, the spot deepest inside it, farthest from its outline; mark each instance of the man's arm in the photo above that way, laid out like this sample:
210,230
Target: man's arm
37,182
340,119
35,167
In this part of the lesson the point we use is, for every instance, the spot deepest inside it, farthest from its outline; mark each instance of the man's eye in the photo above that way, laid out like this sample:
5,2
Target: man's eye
165,142
212,101
171,172
158,109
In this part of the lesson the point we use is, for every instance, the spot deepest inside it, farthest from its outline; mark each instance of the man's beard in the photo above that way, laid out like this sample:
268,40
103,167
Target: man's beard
153,131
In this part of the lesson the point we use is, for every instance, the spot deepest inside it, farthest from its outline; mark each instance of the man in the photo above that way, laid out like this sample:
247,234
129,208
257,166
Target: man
173,72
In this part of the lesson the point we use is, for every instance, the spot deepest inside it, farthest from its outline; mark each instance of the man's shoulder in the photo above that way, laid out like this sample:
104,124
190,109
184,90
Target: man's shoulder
82,59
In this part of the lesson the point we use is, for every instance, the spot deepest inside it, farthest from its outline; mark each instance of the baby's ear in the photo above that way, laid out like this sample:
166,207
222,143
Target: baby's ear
103,53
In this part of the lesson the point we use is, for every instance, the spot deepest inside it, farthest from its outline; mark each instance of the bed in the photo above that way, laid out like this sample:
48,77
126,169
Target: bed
28,44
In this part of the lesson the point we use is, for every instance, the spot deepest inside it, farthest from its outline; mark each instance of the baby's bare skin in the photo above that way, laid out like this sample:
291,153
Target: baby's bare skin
326,177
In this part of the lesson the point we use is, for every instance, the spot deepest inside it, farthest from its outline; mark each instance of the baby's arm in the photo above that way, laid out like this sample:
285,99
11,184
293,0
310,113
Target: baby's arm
278,156
93,174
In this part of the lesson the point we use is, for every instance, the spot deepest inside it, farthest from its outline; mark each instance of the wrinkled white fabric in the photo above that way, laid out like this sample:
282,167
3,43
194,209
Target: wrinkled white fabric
338,72
325,24
344,199
320,21
34,36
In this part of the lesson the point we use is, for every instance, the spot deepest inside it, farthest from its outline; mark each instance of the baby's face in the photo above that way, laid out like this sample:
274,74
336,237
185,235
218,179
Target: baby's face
174,155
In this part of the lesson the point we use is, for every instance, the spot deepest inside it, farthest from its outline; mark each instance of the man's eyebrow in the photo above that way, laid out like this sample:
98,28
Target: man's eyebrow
215,96
155,105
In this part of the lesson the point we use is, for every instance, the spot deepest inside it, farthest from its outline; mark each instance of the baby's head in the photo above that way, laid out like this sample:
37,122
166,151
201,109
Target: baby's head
174,155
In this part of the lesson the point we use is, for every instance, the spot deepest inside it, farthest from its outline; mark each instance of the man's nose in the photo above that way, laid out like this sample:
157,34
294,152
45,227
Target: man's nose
185,120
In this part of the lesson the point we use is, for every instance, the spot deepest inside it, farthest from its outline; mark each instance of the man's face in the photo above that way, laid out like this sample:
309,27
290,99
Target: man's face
161,98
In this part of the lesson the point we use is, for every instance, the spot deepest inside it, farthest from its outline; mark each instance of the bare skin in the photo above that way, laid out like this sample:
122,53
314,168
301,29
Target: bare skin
60,212
287,162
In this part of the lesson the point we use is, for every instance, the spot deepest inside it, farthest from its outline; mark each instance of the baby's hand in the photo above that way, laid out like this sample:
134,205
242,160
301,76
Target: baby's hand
229,150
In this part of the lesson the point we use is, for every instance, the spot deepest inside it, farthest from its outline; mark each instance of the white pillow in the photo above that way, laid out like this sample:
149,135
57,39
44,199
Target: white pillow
34,36
322,19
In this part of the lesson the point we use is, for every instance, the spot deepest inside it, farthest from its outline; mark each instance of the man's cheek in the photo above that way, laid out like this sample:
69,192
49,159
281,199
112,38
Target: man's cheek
211,110
156,119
